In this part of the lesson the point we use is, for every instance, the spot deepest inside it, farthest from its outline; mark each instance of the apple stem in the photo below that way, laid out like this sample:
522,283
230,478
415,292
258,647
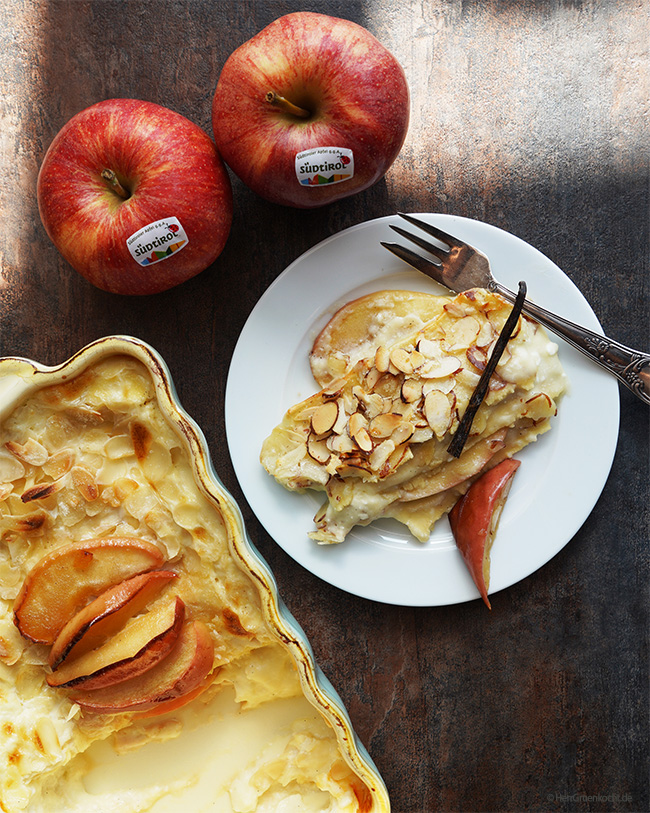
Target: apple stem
109,176
286,106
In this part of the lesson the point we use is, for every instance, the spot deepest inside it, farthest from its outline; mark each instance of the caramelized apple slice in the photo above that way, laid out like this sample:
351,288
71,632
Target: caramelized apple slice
143,643
475,518
185,668
108,613
65,580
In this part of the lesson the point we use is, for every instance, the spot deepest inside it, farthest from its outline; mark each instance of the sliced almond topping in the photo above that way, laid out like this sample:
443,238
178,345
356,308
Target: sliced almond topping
10,469
341,418
31,452
41,491
454,308
317,449
363,439
341,444
59,464
333,390
486,334
324,417
357,421
417,359
384,425
5,490
84,480
437,411
399,456
477,357
411,390
447,365
382,359
402,433
84,415
401,359
428,348
372,377
463,332
380,454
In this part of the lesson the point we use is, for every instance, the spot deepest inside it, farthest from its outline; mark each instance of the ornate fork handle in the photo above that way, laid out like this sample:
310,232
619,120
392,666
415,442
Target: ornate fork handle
630,366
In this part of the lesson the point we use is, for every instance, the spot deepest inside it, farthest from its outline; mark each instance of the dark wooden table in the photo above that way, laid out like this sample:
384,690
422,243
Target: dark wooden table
529,116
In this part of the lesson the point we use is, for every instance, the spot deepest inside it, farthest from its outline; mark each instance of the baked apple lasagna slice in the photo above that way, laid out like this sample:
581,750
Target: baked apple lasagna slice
375,440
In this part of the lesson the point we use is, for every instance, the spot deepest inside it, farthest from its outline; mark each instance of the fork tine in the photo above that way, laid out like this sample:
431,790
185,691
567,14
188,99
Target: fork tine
413,259
434,231
438,253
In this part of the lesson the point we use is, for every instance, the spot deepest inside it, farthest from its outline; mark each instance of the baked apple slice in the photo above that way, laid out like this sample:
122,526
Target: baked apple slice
475,518
180,673
143,643
66,579
106,615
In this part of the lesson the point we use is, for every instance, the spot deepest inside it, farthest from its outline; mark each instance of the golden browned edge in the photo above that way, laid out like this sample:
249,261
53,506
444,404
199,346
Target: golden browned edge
34,376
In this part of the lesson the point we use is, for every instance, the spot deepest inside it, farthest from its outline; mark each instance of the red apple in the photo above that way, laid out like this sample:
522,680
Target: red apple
475,518
310,110
135,196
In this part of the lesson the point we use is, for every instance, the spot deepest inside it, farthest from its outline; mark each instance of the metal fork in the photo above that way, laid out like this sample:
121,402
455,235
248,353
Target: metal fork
458,266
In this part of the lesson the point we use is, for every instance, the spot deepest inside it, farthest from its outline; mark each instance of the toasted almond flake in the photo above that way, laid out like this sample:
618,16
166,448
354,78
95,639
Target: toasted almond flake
422,434
324,417
384,425
5,490
363,439
396,459
486,335
411,390
41,491
58,464
437,411
10,469
417,359
341,418
84,415
380,454
372,377
401,360
455,308
477,357
32,522
341,444
31,452
445,366
382,359
84,480
428,348
317,449
402,433
463,332
334,389
357,421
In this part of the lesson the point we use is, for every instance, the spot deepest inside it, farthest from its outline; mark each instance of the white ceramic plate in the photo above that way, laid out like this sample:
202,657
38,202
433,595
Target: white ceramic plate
556,487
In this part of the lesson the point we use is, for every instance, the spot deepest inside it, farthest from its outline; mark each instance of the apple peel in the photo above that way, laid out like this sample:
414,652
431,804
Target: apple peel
70,576
142,644
474,520
106,615
182,671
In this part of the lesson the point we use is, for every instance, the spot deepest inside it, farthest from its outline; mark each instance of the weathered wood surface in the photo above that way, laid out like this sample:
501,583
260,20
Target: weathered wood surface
530,116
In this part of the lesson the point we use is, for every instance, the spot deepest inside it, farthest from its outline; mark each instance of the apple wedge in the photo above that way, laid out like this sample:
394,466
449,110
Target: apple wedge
106,615
66,579
144,642
182,671
475,518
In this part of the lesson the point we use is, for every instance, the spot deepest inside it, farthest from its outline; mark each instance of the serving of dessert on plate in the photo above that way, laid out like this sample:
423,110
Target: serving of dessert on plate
145,660
374,439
